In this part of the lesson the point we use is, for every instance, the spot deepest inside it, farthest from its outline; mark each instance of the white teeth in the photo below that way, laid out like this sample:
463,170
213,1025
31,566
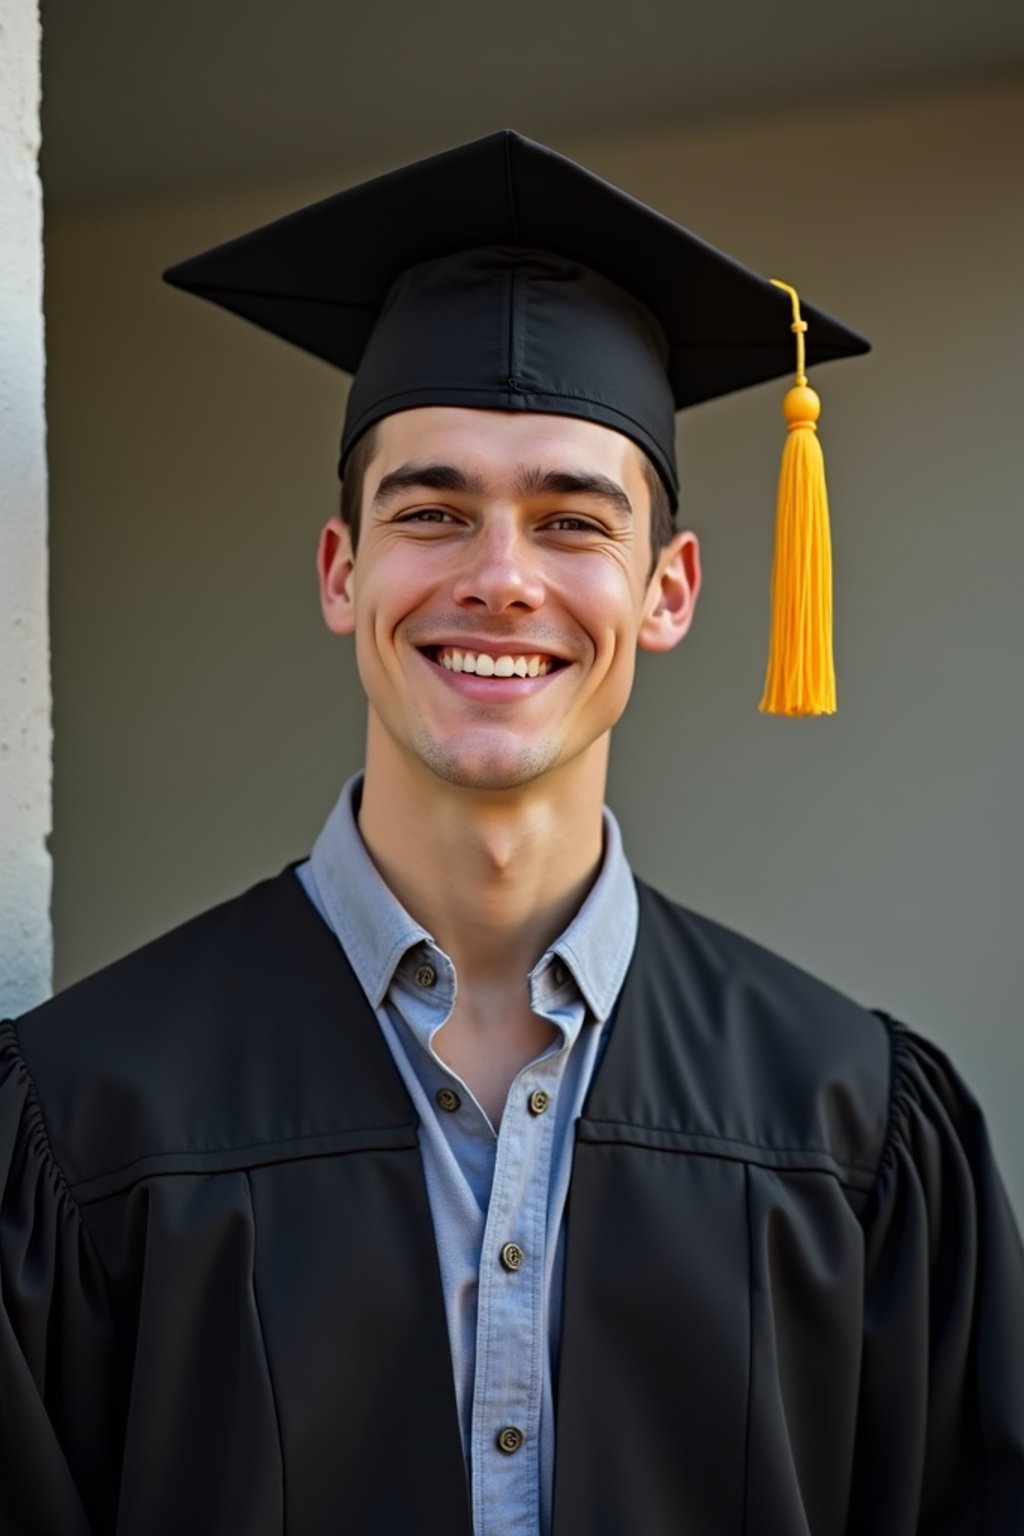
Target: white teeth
493,666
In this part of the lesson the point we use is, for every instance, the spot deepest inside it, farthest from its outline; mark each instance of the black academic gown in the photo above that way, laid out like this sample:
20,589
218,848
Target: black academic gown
794,1295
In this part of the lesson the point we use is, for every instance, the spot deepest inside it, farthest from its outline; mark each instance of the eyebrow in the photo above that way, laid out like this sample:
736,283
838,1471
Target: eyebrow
528,482
573,482
431,477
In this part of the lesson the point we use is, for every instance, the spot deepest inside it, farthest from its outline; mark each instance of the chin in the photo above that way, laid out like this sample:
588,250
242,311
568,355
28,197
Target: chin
486,764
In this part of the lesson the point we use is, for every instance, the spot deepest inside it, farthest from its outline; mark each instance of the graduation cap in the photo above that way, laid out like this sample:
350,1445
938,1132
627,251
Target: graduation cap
502,276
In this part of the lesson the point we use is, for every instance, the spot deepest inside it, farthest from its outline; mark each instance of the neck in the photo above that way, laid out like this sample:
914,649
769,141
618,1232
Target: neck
493,875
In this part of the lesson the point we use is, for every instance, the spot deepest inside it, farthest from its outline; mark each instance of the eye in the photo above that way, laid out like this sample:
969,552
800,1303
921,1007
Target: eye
426,515
572,524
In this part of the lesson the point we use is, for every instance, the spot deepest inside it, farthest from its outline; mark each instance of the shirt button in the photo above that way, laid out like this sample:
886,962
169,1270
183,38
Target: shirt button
538,1102
425,975
561,974
512,1256
448,1099
510,1439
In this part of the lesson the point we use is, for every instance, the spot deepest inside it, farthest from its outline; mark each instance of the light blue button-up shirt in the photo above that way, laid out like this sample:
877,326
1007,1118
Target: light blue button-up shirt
487,1190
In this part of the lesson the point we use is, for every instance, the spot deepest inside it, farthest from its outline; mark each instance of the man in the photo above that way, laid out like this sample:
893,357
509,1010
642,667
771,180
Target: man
452,1181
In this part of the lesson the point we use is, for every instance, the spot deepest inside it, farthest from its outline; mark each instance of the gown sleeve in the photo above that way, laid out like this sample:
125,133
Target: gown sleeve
941,1418
54,1336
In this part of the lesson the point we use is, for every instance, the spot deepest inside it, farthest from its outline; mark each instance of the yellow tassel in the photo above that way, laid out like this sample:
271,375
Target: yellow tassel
800,679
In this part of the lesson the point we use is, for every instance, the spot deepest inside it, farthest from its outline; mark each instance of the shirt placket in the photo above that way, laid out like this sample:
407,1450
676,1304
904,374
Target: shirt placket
511,1342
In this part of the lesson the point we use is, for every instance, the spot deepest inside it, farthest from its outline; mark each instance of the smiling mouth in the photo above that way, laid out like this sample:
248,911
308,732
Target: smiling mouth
483,664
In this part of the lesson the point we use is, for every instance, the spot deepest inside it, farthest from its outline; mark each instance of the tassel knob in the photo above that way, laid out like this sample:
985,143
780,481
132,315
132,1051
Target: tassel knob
801,407
800,679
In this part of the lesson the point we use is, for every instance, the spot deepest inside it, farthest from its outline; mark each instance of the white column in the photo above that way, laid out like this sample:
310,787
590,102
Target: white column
25,732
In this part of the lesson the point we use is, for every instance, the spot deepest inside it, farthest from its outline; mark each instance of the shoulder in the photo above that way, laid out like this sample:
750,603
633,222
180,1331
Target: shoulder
752,1050
167,985
217,1037
776,993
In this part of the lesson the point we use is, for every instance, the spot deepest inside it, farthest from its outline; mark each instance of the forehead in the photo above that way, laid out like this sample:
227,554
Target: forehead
496,445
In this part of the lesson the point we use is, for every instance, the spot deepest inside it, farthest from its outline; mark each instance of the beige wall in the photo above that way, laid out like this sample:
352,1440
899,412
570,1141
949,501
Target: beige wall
204,721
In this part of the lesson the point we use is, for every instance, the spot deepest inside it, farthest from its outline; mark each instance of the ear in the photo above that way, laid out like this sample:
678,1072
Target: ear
671,594
335,564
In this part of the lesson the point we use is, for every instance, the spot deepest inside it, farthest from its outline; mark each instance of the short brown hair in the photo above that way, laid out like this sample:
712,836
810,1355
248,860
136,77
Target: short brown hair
662,517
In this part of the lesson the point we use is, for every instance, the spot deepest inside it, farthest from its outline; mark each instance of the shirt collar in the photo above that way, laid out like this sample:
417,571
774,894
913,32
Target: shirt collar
376,930
373,926
597,946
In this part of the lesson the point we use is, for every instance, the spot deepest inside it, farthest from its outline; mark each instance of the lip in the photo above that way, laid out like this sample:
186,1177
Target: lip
520,646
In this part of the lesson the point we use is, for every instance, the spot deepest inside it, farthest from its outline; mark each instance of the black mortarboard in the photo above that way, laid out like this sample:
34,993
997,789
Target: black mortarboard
503,276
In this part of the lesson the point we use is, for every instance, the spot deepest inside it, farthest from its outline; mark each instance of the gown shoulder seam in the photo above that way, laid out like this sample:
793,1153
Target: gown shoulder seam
35,1120
245,1155
899,1050
799,1157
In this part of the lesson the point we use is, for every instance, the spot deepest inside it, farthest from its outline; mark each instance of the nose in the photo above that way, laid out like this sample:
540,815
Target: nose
499,571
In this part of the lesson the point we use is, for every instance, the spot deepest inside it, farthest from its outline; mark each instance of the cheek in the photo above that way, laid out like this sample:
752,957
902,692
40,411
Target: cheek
390,590
611,686
619,684
606,603
379,604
